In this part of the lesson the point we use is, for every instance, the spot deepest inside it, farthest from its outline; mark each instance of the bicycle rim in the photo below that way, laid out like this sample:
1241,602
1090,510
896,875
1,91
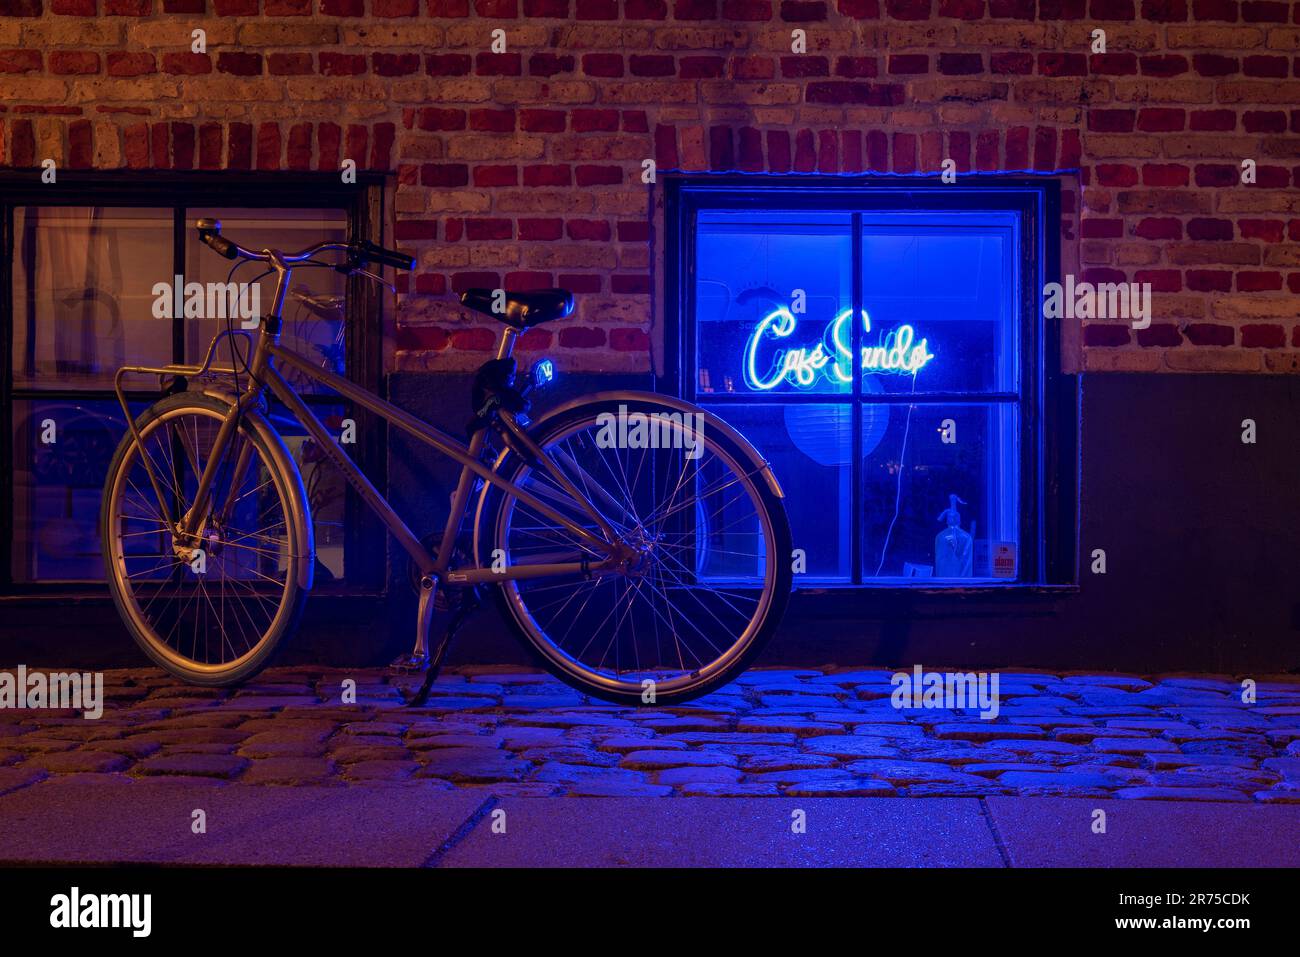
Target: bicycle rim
210,605
707,574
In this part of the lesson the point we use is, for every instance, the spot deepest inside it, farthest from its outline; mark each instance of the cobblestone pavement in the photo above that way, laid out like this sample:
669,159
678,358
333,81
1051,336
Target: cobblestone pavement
773,732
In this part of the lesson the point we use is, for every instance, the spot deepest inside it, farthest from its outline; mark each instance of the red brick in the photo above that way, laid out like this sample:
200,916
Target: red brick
904,152
590,121
130,64
239,64
1062,64
289,64
492,121
751,10
1165,11
1161,280
1269,230
343,8
1270,67
1213,120
588,230
645,10
1264,11
1249,281
1208,280
433,119
1113,64
1160,334
651,65
778,151
239,146
395,64
598,175
1161,120
444,175
1214,64
210,143
602,64
539,9
1228,10
1159,228
341,64
395,8
540,230
494,176
1095,228
542,121
580,284
907,63
582,337
800,66
1011,63
1260,336
1217,174
908,9
128,8
1264,121
74,62
547,175
1112,9
1208,334
446,64
961,64
549,64
629,340
803,11
1163,64
695,9
72,8
483,230
630,285
700,67
1214,230
1105,336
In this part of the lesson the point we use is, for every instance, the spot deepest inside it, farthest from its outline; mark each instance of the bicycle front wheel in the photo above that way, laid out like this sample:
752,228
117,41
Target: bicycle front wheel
212,607
712,569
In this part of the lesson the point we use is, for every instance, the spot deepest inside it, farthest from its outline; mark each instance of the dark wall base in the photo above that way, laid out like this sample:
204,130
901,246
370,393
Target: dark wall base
1201,534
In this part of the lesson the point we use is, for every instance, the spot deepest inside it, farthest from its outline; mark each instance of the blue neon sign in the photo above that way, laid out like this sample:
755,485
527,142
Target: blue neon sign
899,353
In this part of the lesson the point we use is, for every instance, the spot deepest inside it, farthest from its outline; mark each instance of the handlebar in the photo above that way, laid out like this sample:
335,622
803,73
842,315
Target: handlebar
359,252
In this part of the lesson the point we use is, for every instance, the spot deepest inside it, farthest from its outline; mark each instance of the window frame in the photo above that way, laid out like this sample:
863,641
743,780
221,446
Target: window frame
182,192
1047,399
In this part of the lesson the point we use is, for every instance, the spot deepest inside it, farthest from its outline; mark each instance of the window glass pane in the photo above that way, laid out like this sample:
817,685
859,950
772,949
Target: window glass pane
940,301
809,446
768,286
325,485
83,302
62,451
917,457
314,304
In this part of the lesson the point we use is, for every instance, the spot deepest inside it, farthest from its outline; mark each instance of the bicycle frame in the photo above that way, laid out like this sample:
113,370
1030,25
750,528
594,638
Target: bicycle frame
435,566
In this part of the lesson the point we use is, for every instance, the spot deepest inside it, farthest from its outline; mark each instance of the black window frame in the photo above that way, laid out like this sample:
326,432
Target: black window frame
1048,399
363,202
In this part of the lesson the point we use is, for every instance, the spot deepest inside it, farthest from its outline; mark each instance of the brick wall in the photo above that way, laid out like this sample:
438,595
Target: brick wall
523,168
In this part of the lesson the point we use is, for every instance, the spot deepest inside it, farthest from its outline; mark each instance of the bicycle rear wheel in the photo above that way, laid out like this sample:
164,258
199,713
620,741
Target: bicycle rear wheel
712,575
212,608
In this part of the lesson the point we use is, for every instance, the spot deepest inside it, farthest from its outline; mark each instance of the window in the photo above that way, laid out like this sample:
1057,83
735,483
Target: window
78,271
882,350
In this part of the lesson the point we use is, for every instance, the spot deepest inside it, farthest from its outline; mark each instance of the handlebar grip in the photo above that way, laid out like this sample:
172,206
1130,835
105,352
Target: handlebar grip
387,257
218,242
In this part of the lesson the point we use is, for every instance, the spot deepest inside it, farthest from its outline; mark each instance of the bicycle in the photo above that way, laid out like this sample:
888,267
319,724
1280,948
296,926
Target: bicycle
638,572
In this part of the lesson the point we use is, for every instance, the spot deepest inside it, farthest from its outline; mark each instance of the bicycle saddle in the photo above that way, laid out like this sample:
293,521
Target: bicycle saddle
522,309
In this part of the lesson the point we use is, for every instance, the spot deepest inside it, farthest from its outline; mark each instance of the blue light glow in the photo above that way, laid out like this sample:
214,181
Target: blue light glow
831,356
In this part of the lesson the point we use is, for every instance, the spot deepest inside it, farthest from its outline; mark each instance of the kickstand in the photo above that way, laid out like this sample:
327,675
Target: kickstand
464,609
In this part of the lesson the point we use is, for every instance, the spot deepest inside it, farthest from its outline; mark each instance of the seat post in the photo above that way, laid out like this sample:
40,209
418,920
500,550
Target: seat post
507,343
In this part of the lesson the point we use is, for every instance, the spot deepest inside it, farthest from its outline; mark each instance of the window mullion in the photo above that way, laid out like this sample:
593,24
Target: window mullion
855,418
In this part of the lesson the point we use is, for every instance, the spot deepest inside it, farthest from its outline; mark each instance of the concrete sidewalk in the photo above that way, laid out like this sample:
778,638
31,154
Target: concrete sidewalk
92,819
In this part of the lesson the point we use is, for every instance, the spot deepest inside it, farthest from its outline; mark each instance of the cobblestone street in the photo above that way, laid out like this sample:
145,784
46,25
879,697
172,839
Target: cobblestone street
791,733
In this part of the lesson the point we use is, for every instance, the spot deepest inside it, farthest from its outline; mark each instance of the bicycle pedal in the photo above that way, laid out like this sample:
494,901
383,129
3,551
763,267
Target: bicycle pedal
409,664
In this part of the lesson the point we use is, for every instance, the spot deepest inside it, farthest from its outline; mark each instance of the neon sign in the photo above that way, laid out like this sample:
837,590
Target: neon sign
897,354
